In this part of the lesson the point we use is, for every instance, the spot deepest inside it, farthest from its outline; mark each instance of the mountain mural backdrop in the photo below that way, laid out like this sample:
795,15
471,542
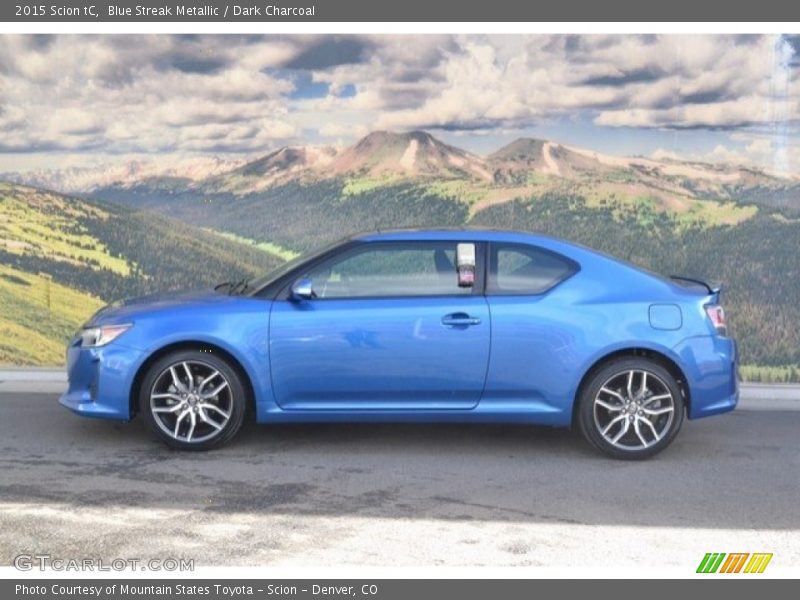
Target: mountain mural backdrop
73,239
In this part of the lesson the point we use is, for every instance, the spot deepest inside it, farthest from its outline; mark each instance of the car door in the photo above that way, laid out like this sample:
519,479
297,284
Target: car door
389,328
536,331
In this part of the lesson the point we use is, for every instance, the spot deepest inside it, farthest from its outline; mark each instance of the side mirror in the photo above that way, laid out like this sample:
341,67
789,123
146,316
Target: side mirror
303,289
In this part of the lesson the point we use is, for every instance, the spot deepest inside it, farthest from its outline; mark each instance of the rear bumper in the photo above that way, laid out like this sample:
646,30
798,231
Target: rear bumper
100,380
710,364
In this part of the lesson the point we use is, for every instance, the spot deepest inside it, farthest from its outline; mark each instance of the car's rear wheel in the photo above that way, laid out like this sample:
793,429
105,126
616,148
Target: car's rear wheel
631,408
193,400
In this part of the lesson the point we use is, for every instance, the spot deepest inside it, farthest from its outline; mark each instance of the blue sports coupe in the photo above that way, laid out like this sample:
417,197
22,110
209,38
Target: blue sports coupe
418,325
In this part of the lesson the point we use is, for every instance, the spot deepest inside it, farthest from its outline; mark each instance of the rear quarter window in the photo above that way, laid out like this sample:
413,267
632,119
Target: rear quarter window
523,269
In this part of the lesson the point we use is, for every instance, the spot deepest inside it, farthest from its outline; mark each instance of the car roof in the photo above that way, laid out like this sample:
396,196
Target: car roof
455,233
483,234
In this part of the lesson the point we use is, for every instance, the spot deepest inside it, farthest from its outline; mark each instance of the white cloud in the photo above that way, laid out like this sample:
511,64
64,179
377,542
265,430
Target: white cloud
161,94
336,130
233,93
664,154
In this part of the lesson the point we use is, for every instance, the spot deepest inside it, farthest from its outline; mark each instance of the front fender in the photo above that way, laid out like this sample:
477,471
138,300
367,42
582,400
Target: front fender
243,334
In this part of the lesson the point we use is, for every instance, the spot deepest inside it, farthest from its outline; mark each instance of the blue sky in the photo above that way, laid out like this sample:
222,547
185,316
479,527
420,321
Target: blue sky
74,100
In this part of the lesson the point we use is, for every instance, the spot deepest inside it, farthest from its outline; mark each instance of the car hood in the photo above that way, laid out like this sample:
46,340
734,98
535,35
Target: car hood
129,308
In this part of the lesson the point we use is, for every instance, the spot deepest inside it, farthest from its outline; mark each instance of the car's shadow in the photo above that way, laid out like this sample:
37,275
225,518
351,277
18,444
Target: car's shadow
735,471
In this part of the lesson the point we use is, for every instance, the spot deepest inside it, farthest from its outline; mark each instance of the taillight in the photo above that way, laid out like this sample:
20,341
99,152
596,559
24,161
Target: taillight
717,316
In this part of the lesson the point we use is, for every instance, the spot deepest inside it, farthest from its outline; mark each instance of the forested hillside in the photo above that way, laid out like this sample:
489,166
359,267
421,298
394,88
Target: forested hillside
302,217
61,258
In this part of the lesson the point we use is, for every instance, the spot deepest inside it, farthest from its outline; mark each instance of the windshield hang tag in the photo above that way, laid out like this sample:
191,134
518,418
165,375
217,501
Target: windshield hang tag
465,263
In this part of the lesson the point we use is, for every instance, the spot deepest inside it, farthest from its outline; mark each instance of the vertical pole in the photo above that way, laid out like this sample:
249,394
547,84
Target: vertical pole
47,278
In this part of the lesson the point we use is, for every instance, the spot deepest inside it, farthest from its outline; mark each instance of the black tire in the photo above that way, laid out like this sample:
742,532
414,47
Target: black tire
231,400
594,420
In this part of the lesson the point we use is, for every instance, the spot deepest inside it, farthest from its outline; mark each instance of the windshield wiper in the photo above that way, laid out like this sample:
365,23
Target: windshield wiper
240,286
224,284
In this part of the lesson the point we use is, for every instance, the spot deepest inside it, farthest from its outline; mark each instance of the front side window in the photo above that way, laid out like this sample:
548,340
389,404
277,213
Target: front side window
522,269
390,270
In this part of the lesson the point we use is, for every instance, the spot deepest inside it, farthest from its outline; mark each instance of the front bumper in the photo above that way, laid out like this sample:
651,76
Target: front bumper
100,380
711,367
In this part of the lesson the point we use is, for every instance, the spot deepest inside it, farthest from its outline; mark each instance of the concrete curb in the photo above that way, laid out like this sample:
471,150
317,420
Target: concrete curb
33,374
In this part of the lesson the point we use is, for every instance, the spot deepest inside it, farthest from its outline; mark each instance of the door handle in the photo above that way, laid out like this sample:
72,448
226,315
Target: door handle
460,319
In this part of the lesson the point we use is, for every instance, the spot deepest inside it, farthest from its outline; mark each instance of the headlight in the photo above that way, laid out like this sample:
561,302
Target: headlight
92,337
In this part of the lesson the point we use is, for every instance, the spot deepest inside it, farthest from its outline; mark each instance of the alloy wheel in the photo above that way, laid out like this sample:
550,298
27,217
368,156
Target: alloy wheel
633,410
191,401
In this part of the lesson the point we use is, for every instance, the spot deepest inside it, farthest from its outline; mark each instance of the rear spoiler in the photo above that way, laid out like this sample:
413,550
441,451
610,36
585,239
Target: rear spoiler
713,289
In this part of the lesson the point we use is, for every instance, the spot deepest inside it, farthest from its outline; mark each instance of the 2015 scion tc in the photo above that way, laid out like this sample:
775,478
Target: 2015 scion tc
464,325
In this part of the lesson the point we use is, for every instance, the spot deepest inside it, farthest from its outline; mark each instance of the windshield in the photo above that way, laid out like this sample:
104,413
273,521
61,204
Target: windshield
259,282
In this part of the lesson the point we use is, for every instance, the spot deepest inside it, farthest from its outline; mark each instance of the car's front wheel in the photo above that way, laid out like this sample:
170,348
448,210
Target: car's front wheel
193,400
631,408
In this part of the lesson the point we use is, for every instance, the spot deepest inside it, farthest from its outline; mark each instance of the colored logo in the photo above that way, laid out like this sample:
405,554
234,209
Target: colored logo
735,562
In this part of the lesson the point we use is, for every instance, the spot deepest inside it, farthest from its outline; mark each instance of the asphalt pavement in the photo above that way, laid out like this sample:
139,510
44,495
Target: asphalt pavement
390,495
